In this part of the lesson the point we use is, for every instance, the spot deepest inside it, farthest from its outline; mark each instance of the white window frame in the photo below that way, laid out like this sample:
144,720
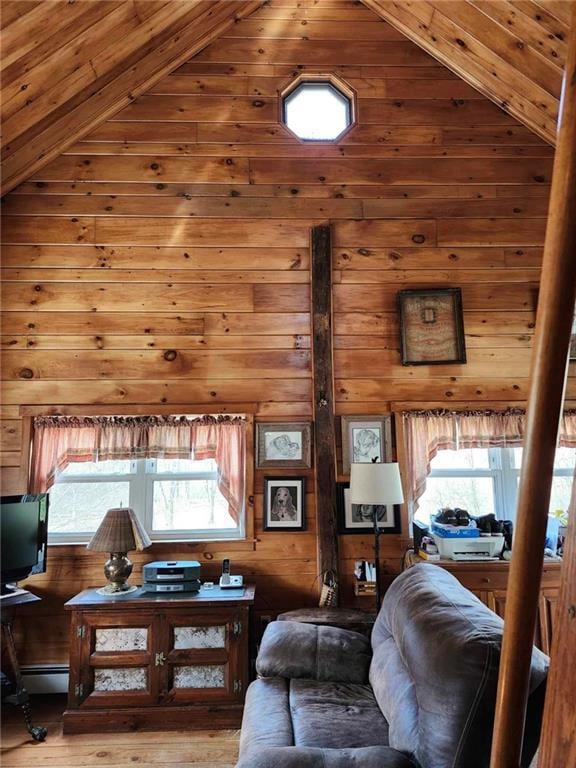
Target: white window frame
141,479
504,479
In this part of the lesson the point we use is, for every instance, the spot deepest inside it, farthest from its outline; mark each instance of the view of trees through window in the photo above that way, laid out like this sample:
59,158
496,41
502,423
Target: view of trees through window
484,481
169,496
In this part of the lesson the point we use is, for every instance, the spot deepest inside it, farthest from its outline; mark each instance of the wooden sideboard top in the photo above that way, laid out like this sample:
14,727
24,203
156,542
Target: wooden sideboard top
463,566
212,597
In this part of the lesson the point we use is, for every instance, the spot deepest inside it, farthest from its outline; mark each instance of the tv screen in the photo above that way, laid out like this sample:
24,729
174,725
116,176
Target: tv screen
24,529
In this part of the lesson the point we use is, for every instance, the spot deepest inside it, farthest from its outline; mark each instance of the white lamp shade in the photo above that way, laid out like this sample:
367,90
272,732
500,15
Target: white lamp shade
376,484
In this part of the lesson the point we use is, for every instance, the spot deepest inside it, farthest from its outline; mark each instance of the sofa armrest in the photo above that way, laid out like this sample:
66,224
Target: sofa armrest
310,757
327,654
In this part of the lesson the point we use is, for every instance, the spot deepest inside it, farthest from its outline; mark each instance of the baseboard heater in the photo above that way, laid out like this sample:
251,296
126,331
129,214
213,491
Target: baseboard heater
45,678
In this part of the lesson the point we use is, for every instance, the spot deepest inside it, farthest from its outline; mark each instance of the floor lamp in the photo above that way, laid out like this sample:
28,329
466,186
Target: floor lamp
376,484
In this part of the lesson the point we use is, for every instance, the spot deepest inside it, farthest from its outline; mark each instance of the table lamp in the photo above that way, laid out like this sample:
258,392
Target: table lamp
376,484
119,532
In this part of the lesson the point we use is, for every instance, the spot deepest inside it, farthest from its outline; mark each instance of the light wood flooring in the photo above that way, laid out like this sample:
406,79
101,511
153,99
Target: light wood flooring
161,749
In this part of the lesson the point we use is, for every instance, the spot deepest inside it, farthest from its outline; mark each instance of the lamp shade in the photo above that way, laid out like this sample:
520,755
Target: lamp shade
119,531
376,484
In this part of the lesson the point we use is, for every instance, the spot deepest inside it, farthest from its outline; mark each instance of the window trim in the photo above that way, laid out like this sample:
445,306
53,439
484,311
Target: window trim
246,410
336,83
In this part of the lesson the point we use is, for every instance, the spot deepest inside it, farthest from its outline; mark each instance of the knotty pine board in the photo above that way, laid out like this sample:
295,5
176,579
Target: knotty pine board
189,231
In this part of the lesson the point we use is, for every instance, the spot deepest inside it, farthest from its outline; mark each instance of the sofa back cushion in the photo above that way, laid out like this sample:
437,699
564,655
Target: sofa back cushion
434,671
328,654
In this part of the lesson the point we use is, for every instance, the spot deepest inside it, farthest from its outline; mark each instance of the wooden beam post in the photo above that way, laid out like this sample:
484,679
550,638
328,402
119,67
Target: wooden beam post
324,435
548,377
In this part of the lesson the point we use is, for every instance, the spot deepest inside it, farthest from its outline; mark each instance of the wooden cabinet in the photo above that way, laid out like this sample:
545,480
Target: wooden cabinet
145,661
489,582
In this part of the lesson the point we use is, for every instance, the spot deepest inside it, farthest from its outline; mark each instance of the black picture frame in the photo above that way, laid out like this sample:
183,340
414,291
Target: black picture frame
391,524
410,305
276,518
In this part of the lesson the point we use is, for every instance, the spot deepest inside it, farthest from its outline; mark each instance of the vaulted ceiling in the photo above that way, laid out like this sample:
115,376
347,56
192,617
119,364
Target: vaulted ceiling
512,51
68,65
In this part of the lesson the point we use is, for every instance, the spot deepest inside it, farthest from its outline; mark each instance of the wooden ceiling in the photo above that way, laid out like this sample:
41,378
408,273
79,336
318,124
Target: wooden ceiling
68,66
512,51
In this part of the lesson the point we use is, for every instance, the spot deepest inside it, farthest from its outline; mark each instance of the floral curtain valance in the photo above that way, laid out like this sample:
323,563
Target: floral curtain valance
60,440
427,432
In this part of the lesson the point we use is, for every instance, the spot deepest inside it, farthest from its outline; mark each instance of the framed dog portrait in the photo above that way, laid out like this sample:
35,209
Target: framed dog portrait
365,439
284,445
359,518
431,327
284,503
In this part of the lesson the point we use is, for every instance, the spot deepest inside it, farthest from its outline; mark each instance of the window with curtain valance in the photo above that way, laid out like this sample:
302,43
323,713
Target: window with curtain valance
185,476
472,459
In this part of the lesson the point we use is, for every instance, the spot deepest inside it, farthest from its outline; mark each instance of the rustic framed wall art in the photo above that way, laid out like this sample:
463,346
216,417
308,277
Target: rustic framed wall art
359,518
365,439
431,327
284,499
284,445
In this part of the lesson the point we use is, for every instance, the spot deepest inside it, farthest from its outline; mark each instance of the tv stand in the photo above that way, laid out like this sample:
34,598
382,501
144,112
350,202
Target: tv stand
20,696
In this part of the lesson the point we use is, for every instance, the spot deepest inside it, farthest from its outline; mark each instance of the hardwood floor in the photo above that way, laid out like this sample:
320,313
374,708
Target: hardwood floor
178,749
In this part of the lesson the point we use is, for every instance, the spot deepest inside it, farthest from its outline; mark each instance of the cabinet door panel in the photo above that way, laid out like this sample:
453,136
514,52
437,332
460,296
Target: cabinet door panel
202,658
121,639
547,615
118,660
186,638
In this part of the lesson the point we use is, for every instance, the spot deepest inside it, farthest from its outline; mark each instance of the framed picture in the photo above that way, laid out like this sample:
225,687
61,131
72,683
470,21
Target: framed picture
284,445
365,438
431,327
284,503
358,518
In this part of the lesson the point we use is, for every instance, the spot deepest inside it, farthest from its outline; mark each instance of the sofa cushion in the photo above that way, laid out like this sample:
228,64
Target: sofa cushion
296,650
299,757
435,668
335,715
266,721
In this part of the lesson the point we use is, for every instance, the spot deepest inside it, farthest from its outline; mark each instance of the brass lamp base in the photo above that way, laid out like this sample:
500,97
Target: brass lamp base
117,570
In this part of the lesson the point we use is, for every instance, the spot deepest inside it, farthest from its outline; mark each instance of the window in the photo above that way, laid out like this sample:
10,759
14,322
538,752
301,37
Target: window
319,109
485,480
174,498
184,476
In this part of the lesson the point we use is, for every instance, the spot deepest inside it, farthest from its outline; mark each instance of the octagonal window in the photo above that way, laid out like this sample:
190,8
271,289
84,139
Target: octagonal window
318,110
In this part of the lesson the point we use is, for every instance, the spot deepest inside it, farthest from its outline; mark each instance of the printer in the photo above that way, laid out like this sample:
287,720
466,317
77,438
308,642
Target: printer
469,548
171,576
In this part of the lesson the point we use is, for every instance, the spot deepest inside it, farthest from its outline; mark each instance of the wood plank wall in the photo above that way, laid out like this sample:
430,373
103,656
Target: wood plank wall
183,224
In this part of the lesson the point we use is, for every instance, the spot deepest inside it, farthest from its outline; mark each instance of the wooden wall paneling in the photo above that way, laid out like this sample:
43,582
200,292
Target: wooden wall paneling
323,402
162,235
502,49
130,65
557,746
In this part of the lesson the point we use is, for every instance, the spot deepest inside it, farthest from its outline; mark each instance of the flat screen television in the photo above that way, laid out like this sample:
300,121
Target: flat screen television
24,533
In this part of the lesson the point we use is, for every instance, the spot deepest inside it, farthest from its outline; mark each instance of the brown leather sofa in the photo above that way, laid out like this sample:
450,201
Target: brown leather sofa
420,694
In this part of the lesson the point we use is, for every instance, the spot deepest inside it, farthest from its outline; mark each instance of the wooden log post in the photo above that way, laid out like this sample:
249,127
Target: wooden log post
548,377
324,435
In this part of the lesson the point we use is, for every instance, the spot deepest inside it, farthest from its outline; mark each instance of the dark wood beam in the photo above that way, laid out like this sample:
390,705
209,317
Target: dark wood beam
324,435
547,384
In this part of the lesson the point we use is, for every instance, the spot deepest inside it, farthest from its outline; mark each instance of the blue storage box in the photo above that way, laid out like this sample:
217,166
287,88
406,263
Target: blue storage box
455,531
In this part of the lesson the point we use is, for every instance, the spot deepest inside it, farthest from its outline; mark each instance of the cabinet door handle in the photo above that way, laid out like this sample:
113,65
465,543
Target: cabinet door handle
159,659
